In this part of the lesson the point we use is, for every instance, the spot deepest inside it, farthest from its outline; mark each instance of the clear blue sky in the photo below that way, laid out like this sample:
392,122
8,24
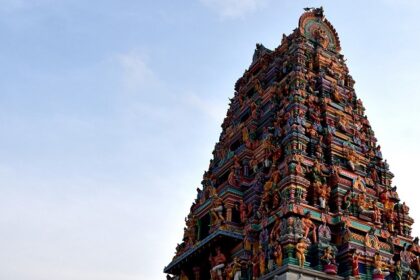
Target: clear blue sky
109,111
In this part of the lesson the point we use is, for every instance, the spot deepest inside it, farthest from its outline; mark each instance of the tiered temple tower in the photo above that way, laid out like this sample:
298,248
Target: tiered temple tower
297,187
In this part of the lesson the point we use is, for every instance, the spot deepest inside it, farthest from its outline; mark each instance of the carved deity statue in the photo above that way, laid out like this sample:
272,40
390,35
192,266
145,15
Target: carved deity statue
307,226
278,254
217,263
301,247
328,256
216,211
371,240
379,265
355,264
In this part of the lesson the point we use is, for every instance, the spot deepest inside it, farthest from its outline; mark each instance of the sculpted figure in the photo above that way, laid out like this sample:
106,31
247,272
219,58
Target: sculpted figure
245,137
405,209
347,201
278,254
216,211
391,218
324,232
323,193
301,246
351,156
328,259
232,178
217,263
379,266
275,232
336,94
233,271
376,214
398,270
371,240
342,123
355,264
275,176
266,197
328,256
358,184
248,239
254,111
254,164
308,225
243,211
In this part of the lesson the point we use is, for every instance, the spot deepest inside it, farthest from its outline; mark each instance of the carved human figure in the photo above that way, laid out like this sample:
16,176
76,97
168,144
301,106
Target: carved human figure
233,271
301,247
233,178
363,204
376,214
254,111
254,164
245,137
321,37
275,176
379,265
216,211
266,197
405,209
358,184
347,201
355,264
351,156
275,231
247,239
217,263
307,226
278,254
323,195
328,256
391,218
371,240
398,270
324,232
336,94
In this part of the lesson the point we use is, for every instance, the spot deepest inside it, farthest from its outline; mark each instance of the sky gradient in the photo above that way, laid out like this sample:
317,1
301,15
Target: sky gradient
109,111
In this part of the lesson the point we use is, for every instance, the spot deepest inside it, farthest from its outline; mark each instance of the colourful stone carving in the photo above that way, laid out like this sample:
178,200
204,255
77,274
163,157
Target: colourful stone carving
297,176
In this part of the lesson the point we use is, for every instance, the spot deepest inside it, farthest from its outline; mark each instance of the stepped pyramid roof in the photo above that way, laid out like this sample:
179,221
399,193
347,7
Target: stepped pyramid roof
297,182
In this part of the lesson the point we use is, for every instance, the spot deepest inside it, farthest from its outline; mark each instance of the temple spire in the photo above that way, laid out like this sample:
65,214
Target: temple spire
297,184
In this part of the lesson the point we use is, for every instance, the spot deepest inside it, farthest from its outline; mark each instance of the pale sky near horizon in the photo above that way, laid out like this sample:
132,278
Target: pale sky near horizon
109,111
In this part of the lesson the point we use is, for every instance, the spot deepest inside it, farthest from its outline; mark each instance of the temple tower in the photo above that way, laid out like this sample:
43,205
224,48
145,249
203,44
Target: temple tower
297,187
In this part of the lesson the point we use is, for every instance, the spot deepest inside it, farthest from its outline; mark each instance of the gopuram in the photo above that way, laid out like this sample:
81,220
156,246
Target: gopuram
297,187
